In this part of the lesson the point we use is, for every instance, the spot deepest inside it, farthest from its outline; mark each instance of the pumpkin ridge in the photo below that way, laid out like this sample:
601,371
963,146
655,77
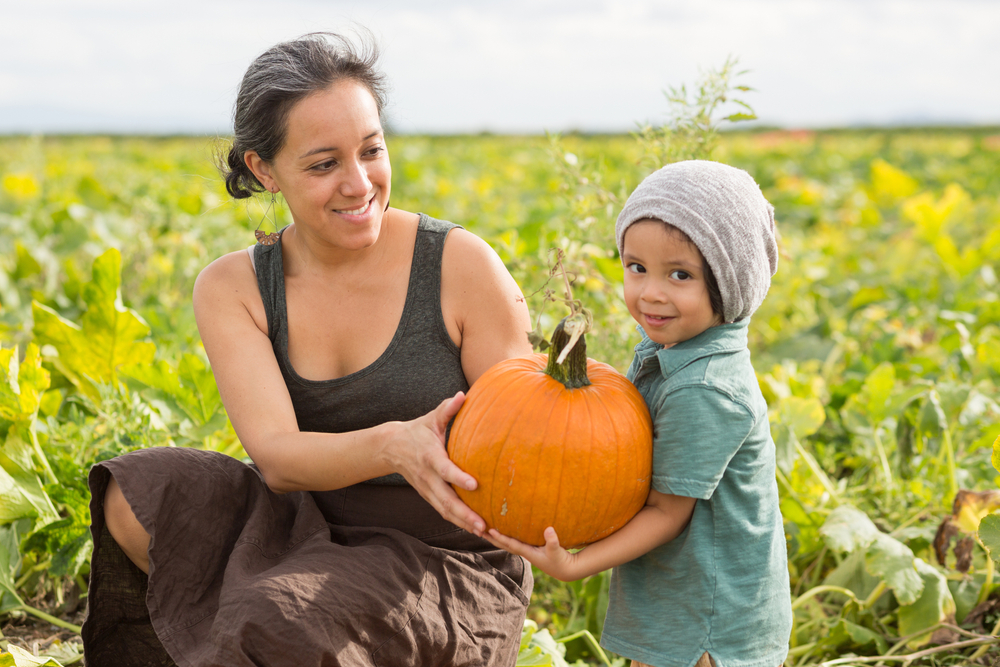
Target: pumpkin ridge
508,421
608,503
555,468
499,479
592,494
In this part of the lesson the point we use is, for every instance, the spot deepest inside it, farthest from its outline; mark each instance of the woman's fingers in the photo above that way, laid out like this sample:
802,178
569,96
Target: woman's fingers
447,409
425,464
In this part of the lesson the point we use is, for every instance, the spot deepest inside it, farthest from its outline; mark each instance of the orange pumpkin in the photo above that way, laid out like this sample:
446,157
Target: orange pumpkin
565,445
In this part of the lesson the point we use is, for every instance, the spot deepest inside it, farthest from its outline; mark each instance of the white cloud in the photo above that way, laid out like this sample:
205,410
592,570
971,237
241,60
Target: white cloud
515,66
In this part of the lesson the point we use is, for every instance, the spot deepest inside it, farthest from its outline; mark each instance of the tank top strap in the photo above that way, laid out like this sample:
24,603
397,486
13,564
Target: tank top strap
271,284
424,302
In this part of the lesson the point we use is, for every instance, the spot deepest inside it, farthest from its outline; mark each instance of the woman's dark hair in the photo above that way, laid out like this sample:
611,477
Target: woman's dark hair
278,79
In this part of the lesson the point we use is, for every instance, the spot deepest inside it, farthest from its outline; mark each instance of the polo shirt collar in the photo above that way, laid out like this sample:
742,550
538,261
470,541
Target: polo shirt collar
724,338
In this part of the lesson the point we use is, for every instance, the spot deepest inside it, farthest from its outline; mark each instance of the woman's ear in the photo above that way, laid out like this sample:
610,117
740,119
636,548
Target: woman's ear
261,169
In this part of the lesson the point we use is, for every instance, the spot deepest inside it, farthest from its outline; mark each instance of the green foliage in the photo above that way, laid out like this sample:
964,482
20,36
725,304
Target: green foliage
877,348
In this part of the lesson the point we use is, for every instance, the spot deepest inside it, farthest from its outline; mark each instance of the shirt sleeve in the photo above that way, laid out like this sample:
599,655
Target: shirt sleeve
696,432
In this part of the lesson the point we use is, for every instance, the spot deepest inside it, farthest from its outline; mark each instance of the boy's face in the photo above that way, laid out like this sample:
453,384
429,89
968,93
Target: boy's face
665,288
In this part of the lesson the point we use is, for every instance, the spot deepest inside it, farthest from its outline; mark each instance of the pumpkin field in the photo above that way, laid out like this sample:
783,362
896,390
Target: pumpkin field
877,349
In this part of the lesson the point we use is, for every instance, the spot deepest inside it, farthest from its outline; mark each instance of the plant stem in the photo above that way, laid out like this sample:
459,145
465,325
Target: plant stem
573,371
594,644
802,599
816,470
913,656
886,470
983,649
41,455
875,595
984,592
949,457
51,619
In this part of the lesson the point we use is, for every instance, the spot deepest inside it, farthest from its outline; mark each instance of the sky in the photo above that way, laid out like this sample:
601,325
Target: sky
506,66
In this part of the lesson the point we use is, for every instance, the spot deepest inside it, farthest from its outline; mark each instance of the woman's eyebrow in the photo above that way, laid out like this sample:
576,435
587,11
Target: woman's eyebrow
334,149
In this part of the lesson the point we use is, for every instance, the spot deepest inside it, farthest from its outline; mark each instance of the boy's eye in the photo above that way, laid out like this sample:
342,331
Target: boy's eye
680,275
636,268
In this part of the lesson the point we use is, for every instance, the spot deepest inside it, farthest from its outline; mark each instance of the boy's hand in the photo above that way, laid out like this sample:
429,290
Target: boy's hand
551,558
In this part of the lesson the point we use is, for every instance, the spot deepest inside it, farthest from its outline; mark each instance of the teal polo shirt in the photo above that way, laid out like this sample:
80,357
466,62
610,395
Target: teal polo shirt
720,586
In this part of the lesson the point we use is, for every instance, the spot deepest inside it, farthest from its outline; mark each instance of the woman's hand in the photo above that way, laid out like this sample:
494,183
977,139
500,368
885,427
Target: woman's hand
551,558
417,451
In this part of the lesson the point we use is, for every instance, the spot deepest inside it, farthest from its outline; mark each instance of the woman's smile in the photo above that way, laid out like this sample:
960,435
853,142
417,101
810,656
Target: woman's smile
357,212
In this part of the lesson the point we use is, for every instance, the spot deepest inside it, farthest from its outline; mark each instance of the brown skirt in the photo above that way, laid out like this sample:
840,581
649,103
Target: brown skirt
241,576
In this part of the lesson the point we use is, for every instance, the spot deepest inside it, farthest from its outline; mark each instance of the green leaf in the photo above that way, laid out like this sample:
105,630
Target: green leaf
965,592
14,503
737,117
935,605
107,337
852,575
803,416
784,447
17,461
995,456
67,541
539,648
848,529
852,635
989,533
893,562
24,659
877,390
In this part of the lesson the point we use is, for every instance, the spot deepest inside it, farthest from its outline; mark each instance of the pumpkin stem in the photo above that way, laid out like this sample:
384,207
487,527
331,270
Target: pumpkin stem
568,341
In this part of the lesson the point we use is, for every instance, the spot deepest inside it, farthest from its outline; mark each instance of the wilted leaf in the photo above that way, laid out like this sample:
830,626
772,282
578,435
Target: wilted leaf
971,506
963,554
943,537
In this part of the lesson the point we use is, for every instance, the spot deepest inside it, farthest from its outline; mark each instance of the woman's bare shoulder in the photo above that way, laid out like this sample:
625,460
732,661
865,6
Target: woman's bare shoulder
227,284
229,271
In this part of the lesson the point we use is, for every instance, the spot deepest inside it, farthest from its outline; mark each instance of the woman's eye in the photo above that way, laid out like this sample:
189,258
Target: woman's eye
636,268
372,152
324,166
680,275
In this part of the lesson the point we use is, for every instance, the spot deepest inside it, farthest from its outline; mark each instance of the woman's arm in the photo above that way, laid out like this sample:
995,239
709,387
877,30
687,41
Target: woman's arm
483,307
662,519
233,327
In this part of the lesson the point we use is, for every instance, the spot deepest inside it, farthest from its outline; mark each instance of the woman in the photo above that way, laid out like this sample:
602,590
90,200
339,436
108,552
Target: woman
342,350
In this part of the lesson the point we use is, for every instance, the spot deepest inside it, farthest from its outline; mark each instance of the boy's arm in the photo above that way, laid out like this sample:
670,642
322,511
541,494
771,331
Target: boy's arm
662,519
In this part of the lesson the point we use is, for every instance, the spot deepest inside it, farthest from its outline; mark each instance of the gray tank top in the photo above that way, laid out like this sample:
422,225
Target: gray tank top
420,368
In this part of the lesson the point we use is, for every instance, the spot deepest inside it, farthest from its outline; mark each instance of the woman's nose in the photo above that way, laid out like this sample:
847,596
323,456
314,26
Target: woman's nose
356,182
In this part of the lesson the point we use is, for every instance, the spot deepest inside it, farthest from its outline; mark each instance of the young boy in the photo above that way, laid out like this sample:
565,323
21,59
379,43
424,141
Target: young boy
700,573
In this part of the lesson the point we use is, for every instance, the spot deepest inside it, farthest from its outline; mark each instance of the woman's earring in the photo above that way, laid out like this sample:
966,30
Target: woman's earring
262,237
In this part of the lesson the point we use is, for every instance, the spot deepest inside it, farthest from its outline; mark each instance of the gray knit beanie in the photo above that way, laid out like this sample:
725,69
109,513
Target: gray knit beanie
723,212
